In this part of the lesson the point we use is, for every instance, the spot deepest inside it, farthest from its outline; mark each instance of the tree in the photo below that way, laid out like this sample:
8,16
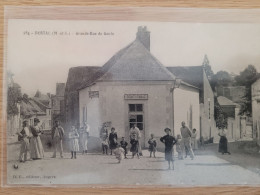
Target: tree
221,78
246,78
13,97
219,115
207,68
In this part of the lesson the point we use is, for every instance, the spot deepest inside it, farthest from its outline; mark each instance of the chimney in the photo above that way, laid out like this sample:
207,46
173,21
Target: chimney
143,36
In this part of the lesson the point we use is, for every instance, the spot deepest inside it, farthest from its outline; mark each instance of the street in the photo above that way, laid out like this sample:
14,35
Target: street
95,168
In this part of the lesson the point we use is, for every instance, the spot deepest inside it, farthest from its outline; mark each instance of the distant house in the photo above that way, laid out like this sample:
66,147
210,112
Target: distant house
239,127
76,77
234,93
58,107
195,75
255,89
133,87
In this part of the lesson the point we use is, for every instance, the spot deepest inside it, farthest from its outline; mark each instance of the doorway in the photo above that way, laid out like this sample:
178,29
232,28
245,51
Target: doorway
136,116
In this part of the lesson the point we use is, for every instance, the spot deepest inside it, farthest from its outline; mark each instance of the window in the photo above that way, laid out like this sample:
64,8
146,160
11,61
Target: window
136,116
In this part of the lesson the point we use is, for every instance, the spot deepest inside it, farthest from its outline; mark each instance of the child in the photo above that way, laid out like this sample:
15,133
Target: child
124,144
179,147
119,151
25,147
169,142
134,148
152,146
105,145
112,139
74,143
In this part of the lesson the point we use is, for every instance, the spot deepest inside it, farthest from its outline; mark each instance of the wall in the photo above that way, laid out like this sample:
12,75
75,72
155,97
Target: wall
111,106
208,125
256,109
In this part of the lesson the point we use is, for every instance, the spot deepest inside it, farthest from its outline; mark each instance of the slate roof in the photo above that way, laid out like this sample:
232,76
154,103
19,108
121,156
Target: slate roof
78,76
223,101
189,74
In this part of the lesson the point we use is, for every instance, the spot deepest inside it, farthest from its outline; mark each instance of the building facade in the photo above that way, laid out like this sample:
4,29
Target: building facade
134,87
255,89
195,75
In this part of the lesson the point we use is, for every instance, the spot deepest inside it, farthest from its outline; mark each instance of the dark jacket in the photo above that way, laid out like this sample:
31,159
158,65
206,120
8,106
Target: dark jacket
60,130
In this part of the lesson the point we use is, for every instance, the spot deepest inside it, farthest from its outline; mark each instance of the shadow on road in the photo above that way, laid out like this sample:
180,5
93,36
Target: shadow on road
148,169
209,164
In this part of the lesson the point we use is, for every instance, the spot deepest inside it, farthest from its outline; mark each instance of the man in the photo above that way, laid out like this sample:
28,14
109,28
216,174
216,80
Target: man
186,139
57,136
134,131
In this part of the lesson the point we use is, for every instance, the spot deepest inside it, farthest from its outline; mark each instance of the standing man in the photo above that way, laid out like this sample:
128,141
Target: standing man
186,139
134,131
57,136
84,135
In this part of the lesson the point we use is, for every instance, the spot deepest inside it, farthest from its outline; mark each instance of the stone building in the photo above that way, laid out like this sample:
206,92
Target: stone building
134,87
195,75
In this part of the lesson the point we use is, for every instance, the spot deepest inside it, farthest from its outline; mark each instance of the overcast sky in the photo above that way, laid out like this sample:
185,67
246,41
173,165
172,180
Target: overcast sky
39,61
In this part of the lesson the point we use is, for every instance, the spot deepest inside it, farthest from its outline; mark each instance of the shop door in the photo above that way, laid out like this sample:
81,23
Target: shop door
136,116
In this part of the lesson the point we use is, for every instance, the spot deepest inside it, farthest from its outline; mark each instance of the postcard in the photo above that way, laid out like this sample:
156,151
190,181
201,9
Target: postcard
131,102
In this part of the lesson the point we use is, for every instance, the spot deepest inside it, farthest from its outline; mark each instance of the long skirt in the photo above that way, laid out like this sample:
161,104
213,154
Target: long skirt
84,141
36,148
74,145
223,145
194,144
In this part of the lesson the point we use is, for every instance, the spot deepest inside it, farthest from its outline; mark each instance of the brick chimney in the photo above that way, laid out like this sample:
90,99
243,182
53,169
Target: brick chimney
143,36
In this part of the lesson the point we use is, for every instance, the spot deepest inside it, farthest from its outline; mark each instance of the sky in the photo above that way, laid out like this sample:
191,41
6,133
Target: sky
40,52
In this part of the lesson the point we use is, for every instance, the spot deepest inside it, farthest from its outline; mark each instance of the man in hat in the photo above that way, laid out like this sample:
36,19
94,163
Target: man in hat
186,139
57,136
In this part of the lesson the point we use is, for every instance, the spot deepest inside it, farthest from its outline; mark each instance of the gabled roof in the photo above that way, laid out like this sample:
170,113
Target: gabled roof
136,63
223,101
29,107
190,74
132,63
79,76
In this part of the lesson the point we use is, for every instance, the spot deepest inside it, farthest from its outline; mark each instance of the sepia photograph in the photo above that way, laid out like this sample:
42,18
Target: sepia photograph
132,103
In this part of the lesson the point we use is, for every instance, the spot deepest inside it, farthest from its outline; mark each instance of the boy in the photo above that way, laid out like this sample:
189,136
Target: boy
124,144
134,146
152,146
169,142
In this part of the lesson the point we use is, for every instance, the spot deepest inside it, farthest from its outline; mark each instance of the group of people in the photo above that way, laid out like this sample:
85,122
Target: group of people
31,140
185,143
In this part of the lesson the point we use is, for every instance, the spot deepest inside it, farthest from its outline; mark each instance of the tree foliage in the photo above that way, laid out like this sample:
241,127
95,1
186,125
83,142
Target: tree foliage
246,78
219,115
221,78
13,96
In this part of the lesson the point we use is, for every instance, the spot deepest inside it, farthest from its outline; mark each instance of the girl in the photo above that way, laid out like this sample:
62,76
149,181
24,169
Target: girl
36,147
169,142
24,135
194,143
152,146
135,145
74,143
112,139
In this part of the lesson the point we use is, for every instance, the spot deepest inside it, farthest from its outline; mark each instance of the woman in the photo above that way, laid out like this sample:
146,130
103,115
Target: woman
25,146
74,143
223,143
194,143
112,139
36,147
84,134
